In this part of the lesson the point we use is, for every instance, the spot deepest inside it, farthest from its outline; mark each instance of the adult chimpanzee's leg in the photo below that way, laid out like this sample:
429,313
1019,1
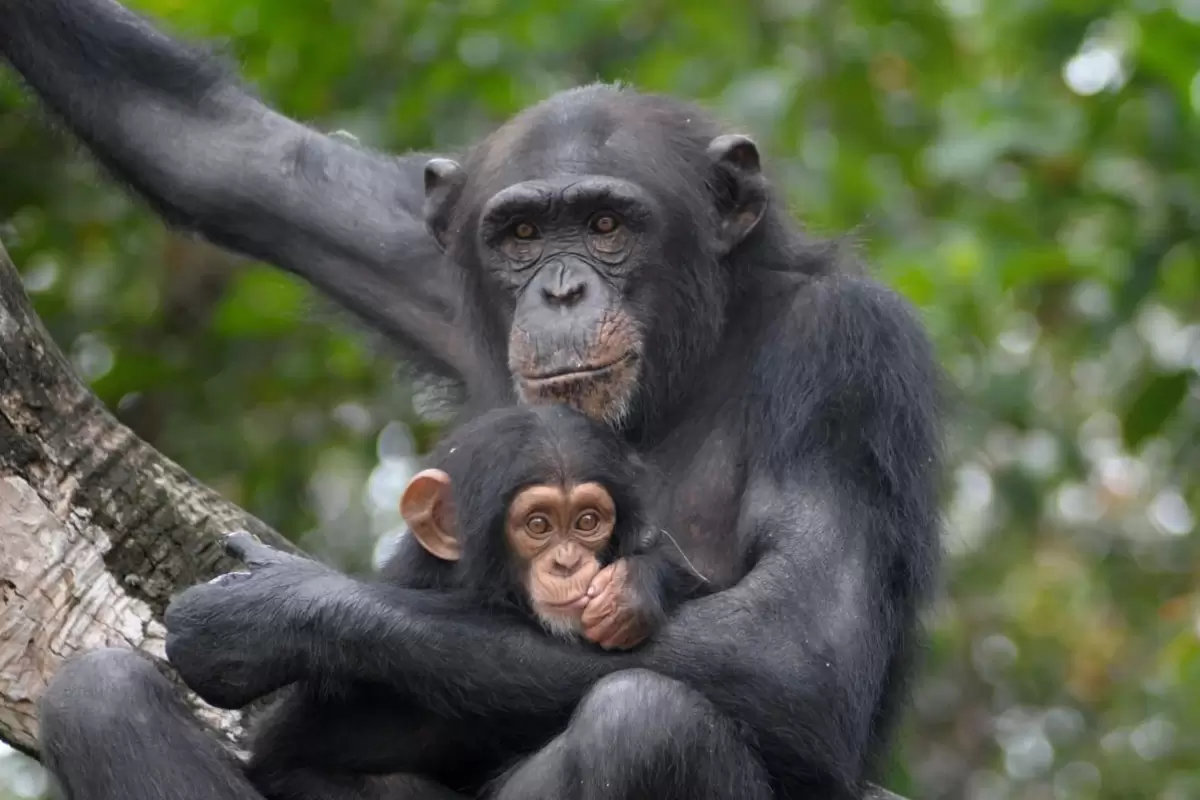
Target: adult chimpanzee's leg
365,745
639,734
113,728
305,784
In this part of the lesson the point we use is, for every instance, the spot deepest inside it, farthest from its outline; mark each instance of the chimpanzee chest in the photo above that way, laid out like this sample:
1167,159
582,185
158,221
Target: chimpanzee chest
701,503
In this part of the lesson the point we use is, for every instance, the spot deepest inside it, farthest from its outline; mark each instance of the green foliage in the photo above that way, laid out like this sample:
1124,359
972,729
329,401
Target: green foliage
1027,173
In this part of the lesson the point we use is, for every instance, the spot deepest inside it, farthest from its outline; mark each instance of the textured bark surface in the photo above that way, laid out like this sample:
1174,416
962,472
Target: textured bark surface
97,529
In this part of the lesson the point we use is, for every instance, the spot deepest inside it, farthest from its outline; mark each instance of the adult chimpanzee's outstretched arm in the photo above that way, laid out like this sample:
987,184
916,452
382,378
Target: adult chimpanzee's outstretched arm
211,158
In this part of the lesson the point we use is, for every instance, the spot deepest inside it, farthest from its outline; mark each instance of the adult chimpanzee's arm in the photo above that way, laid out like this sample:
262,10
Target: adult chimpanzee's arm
209,157
805,650
289,619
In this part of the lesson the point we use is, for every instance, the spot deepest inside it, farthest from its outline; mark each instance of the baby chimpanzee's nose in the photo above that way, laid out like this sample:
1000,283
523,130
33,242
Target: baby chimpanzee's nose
566,562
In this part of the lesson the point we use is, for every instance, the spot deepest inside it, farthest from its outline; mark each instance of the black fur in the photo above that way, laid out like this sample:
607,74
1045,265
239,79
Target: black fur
791,406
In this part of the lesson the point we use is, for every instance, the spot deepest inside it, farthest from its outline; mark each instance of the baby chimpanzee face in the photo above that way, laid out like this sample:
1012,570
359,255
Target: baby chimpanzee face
556,534
546,507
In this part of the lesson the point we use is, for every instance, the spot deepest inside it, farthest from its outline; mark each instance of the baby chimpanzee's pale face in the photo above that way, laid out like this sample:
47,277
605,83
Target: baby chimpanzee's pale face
556,534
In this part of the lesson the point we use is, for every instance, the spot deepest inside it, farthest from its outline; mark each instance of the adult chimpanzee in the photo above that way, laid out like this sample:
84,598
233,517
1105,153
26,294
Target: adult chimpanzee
629,252
537,513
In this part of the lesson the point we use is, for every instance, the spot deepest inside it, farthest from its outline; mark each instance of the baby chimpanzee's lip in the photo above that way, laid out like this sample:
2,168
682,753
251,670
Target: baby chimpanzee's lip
571,605
574,373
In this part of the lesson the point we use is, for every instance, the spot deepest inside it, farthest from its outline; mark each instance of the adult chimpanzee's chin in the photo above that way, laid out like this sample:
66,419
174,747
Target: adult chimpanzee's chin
589,359
603,393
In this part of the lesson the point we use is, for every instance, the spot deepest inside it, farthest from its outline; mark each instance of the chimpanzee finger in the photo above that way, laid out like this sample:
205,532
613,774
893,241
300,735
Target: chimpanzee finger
602,581
626,642
605,632
635,633
248,549
597,609
604,618
628,635
610,641
229,577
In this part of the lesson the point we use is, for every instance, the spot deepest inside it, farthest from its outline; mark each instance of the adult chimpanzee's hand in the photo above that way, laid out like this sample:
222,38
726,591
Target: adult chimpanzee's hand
246,634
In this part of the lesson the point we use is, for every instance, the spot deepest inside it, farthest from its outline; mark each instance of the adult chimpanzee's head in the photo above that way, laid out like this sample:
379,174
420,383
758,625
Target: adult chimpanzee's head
610,218
530,504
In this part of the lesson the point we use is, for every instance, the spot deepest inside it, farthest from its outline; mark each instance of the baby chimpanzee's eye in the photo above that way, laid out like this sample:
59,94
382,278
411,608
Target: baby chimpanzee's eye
587,521
538,525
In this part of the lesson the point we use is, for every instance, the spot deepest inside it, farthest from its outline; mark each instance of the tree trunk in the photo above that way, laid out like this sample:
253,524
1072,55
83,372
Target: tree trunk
97,528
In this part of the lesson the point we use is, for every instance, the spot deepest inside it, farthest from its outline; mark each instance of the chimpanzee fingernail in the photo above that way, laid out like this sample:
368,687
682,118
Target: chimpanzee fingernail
238,543
229,576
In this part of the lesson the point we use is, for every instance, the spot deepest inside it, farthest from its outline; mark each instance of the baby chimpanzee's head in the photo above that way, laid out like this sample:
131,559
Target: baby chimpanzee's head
531,503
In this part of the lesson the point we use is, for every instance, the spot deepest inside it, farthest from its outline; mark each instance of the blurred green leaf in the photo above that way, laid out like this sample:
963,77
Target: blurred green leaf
260,302
1155,403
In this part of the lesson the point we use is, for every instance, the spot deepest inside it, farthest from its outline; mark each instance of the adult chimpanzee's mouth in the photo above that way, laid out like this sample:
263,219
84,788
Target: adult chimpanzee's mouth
565,374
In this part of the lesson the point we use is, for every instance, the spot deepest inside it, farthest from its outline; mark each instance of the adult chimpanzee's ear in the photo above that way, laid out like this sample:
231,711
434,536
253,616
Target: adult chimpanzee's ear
444,179
741,187
426,507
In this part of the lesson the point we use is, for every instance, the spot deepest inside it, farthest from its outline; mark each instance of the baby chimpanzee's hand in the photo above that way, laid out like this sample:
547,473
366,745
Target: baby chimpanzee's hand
616,617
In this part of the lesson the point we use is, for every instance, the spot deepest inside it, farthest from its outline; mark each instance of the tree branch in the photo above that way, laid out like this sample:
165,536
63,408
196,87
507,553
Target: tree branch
97,528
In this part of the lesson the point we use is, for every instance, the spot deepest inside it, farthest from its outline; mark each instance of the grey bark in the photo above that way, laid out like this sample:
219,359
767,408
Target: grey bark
97,528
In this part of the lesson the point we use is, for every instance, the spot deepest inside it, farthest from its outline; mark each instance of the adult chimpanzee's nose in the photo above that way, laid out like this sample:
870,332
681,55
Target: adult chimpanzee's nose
566,562
565,286
564,294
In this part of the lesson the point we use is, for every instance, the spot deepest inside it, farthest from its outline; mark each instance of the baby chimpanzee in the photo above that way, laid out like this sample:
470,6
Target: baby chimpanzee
538,512
542,509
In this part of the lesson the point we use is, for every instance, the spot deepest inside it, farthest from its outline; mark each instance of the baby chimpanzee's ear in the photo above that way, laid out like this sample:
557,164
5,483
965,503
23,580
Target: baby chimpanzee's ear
427,508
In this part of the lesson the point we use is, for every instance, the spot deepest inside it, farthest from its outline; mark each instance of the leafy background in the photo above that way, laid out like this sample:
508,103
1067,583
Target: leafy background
1027,172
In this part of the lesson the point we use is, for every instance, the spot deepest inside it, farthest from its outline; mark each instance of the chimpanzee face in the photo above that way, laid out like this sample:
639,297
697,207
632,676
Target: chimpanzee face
556,535
568,250
607,226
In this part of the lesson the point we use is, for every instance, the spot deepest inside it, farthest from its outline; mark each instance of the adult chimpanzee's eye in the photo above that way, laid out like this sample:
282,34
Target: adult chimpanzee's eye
604,224
537,525
525,231
587,521
522,243
608,240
